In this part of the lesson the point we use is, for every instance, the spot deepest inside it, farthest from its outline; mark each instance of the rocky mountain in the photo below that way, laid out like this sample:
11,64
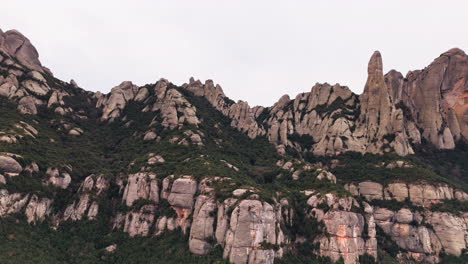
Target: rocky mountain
165,173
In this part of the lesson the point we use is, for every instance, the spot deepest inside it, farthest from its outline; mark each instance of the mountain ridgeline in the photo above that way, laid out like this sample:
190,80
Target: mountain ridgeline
169,174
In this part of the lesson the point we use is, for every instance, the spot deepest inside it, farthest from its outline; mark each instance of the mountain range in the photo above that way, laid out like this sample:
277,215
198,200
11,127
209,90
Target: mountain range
167,173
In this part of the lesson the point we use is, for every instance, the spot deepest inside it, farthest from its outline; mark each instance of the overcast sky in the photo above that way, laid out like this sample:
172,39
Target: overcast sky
256,50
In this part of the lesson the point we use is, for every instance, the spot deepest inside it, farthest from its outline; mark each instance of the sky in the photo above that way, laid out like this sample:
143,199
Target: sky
256,50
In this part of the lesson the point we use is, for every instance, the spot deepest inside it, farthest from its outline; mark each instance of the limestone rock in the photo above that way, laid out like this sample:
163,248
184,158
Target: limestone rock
27,105
451,230
326,175
59,178
141,185
397,191
93,186
182,193
371,190
345,240
11,203
115,102
150,135
37,209
17,45
252,222
9,165
435,98
140,222
202,227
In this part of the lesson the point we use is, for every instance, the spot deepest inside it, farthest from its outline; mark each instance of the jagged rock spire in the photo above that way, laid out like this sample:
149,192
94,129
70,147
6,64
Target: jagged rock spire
375,66
375,100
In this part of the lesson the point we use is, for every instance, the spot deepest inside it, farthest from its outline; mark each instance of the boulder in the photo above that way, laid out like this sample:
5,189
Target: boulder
27,105
371,190
141,185
182,193
9,165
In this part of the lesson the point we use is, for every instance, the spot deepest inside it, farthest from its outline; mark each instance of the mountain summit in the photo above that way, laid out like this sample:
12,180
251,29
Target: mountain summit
166,173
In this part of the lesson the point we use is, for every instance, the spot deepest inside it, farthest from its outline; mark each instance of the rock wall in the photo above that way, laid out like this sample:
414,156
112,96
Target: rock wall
388,117
87,204
424,234
240,226
420,194
345,234
435,97
392,114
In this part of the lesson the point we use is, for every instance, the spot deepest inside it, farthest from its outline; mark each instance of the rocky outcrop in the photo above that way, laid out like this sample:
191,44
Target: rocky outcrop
421,194
203,226
141,186
87,204
37,209
345,240
451,231
242,115
182,193
175,109
208,222
252,224
387,117
379,117
371,190
171,107
18,46
423,235
9,165
435,98
11,203
59,177
345,234
140,222
116,100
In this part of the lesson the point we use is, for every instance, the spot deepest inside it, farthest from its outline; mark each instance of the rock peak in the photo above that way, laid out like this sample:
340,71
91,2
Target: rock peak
17,45
375,65
454,51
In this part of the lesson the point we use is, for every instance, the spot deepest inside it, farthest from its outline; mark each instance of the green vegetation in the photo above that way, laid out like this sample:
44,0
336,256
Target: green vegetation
263,115
306,141
85,242
455,207
405,109
357,167
385,243
450,259
366,259
395,205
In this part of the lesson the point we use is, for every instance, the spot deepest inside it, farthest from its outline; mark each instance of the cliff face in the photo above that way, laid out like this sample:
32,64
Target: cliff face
392,113
240,183
435,97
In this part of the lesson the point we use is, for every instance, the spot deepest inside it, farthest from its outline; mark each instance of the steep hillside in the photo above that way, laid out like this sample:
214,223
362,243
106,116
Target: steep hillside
169,174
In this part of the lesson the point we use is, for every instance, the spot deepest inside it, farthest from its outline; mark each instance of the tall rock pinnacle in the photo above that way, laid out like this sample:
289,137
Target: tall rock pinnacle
375,66
379,118
375,100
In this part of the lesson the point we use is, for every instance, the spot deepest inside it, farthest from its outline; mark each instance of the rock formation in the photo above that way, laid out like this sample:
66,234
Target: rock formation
154,159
